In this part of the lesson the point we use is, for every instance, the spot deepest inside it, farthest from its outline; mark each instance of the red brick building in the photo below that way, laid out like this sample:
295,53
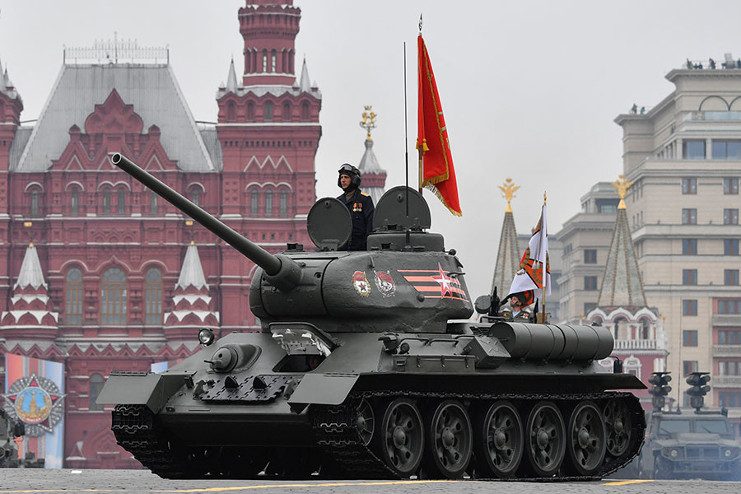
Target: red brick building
95,270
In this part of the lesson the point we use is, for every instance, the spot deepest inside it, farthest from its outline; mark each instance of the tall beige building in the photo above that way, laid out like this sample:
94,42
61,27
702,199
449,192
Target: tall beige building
684,159
585,240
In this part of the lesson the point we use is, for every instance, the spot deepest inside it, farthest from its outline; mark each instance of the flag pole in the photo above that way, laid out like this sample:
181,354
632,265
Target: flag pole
420,152
406,134
545,261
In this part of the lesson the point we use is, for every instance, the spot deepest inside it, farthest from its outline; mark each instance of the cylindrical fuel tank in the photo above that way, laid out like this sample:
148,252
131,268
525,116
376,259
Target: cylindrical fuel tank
554,341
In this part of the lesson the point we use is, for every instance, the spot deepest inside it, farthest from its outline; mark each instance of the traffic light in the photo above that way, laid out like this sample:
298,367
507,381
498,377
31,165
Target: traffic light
660,388
698,388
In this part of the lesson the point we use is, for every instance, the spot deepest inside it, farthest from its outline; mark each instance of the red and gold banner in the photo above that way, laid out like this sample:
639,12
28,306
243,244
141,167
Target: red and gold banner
435,160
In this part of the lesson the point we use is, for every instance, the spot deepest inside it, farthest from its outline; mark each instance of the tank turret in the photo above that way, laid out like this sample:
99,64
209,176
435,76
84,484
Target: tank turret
405,280
368,365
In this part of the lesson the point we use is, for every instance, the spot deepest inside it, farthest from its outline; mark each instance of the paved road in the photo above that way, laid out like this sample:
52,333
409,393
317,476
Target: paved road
114,481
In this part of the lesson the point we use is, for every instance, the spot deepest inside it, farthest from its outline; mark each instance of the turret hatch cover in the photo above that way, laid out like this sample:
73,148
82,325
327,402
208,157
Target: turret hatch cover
391,211
329,224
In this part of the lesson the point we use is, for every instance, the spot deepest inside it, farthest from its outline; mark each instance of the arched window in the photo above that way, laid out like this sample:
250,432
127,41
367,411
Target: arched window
153,206
96,386
268,203
268,111
195,196
231,111
254,202
284,203
632,365
113,297
106,201
250,111
645,328
621,329
274,62
265,60
121,201
35,209
153,297
286,111
74,201
305,111
73,292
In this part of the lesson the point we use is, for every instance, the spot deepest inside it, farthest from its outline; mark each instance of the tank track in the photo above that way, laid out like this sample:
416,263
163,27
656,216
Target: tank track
135,431
337,435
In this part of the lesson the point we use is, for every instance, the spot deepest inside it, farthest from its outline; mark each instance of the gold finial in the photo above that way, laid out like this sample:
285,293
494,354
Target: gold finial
622,186
30,244
369,121
192,242
545,199
508,190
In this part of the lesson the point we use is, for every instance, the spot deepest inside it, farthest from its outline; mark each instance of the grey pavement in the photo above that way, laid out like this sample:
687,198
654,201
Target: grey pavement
111,481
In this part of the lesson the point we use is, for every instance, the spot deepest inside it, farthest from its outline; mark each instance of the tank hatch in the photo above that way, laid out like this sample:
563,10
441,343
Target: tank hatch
329,224
401,217
392,215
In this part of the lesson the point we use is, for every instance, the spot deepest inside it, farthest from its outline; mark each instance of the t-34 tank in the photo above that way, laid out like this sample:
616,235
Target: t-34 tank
362,371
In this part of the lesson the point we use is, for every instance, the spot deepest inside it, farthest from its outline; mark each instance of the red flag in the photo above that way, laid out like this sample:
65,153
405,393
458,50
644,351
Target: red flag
435,161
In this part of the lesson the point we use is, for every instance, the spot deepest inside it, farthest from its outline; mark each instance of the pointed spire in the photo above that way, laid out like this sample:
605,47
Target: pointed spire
231,80
508,255
305,84
31,273
192,272
373,177
621,284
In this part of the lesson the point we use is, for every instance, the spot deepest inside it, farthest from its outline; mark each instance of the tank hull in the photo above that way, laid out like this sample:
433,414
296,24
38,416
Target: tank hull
341,419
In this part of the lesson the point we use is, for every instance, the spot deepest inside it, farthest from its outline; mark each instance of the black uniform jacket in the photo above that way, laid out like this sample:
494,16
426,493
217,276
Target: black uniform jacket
361,208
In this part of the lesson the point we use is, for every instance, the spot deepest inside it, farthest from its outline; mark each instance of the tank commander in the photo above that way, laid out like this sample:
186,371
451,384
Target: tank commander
358,203
519,306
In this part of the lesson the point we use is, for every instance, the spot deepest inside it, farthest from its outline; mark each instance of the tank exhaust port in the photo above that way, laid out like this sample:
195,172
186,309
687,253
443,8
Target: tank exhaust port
306,346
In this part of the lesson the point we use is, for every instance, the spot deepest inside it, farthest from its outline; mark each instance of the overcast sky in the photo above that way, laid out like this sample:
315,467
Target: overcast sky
530,89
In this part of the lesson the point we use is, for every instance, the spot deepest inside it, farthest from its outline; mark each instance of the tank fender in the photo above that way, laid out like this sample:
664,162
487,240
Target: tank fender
322,389
141,388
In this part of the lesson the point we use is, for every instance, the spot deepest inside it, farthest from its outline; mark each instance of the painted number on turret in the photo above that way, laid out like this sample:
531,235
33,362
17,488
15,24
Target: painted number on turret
434,283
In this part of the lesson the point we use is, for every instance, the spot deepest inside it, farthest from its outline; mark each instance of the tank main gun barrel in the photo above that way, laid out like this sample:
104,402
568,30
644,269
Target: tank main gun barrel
281,270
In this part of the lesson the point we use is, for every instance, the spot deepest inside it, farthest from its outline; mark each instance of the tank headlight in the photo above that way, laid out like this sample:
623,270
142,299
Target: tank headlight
206,337
731,452
673,452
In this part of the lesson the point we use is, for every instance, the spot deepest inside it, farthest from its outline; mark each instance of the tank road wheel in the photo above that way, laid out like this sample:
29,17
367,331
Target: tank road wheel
365,421
618,426
587,438
546,438
450,440
402,437
500,442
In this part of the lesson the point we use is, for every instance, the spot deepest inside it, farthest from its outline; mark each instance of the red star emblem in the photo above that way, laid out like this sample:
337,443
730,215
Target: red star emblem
444,282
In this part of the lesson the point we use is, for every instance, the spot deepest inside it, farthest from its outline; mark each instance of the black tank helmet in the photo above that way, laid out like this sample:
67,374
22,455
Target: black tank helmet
352,172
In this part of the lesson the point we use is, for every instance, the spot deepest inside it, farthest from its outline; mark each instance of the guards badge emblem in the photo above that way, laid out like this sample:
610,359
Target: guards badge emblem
360,282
